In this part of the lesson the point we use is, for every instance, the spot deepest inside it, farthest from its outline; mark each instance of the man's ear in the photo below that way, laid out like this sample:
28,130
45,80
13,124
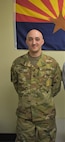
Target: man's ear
42,41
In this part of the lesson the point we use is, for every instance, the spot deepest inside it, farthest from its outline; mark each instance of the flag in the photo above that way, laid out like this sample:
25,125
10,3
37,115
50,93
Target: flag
48,16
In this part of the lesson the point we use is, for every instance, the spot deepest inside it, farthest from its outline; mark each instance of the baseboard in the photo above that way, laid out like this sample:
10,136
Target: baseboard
7,137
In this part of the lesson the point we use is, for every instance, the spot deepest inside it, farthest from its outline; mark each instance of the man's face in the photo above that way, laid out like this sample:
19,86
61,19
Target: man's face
34,40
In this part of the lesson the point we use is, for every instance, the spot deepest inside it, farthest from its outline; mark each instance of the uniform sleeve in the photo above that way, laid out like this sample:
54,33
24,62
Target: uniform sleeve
56,85
63,75
14,77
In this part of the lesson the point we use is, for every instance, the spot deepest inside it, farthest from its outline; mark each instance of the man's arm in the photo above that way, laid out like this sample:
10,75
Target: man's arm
14,77
63,75
56,85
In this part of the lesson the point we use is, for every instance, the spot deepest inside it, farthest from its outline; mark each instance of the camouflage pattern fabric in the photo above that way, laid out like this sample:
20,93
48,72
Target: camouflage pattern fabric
63,75
36,86
39,131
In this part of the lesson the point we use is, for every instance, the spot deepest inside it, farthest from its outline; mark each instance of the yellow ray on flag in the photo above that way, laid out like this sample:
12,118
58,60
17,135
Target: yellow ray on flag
40,5
28,12
54,4
63,8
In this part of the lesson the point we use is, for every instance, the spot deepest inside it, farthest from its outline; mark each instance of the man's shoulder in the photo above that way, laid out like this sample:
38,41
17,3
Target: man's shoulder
49,59
20,60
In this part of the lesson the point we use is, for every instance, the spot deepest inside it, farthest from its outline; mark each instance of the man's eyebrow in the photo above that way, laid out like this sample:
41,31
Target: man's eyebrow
30,37
33,37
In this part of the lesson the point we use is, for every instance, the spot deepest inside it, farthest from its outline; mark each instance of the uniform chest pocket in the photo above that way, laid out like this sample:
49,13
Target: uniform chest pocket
46,77
24,75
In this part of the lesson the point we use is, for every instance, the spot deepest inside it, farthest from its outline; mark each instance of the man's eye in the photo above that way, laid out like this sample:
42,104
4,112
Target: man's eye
30,39
37,39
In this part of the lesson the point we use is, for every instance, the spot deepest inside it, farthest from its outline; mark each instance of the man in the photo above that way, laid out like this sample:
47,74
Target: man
37,79
63,75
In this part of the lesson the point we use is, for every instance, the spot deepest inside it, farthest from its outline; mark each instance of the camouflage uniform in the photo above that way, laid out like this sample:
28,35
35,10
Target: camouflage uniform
36,86
63,75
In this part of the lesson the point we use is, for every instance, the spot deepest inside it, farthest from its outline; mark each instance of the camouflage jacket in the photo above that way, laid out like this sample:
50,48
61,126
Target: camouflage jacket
36,86
63,75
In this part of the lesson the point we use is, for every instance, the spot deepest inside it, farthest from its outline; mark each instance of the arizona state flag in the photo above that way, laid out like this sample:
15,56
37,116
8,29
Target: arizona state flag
48,16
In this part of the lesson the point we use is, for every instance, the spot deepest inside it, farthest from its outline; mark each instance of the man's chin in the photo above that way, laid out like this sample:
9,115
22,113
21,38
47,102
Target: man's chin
34,50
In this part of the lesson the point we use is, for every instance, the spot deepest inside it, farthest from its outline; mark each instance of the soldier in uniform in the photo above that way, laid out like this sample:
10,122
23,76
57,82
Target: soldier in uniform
37,79
63,75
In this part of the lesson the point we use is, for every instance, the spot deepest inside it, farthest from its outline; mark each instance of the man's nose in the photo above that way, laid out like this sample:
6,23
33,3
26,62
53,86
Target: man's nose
34,41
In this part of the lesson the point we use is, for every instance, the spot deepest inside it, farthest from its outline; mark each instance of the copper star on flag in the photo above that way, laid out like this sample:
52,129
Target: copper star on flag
59,23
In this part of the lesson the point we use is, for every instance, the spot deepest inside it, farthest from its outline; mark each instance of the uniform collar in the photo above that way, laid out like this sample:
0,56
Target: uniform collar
39,63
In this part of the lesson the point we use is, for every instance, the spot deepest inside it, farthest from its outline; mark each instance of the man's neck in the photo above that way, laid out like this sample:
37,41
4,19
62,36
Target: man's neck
35,54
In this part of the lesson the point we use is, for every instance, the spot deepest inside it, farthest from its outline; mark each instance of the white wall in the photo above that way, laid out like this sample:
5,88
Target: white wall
8,52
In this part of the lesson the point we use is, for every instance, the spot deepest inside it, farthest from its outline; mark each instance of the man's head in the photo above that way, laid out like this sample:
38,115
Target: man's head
34,41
